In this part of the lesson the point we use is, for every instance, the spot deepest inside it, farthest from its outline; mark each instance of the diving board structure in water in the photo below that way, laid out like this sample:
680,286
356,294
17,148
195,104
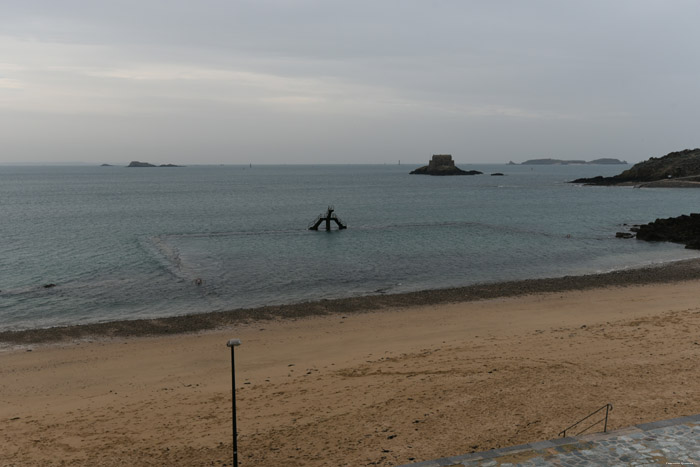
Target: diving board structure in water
327,218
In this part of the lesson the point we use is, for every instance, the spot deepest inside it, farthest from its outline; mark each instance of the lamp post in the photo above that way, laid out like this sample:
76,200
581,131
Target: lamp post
234,343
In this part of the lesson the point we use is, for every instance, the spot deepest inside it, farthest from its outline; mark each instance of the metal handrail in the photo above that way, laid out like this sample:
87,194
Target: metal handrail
313,222
337,218
607,407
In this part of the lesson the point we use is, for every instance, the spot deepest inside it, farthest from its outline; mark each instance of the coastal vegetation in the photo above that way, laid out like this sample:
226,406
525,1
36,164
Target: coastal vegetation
680,169
677,169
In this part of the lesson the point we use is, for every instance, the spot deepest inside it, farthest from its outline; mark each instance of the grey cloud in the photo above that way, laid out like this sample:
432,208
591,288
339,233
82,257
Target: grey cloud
295,78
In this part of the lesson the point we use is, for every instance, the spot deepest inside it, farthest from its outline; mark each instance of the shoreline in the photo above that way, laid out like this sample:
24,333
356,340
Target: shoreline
386,388
677,271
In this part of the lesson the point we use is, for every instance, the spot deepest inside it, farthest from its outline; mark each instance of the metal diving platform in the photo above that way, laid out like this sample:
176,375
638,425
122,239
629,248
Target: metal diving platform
327,218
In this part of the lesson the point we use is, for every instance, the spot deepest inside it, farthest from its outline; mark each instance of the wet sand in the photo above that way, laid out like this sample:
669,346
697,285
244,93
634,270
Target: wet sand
666,273
379,380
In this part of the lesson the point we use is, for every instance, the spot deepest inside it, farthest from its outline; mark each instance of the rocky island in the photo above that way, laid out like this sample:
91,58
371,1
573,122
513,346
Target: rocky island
605,161
442,164
146,164
679,169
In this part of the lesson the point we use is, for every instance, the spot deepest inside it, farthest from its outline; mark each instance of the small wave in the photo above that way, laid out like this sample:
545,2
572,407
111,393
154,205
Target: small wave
243,233
167,256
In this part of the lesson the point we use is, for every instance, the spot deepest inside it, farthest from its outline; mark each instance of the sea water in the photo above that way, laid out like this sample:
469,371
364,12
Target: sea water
126,243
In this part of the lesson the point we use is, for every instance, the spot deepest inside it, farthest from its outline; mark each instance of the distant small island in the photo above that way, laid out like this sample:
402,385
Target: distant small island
106,165
605,161
442,164
146,164
680,169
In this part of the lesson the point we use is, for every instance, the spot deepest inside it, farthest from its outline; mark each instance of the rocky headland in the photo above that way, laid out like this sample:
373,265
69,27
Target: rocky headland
442,164
679,169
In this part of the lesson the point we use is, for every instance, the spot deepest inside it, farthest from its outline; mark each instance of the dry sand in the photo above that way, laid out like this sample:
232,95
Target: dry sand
382,388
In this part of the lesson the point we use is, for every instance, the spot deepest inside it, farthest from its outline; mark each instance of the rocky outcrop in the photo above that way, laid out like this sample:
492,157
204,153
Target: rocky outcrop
682,229
442,164
676,169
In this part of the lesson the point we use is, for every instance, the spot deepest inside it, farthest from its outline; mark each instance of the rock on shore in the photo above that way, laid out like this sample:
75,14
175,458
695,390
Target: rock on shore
682,229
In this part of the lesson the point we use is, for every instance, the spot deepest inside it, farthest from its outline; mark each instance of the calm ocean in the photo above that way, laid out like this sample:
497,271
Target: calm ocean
125,243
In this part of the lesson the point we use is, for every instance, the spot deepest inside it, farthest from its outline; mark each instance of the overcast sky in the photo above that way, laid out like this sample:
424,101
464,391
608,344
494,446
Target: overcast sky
356,81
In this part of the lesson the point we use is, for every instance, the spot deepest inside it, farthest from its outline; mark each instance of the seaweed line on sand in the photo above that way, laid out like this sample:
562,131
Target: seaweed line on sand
670,272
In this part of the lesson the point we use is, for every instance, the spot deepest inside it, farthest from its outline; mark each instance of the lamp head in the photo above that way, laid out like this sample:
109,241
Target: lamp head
233,343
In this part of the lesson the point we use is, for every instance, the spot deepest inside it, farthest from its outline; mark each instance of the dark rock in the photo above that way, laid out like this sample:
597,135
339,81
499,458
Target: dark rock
497,174
624,235
106,165
48,286
682,229
673,168
442,164
599,180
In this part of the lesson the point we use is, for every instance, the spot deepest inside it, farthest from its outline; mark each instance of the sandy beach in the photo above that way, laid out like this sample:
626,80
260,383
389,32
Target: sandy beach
380,380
